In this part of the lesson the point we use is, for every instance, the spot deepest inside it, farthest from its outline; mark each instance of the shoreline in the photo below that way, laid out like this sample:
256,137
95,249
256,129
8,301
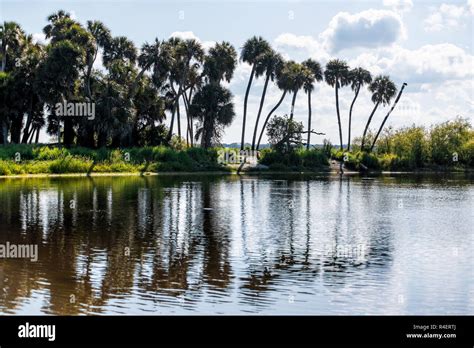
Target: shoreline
251,173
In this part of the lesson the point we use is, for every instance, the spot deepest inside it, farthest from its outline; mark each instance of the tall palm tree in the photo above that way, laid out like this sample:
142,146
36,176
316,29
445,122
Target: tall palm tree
220,62
358,78
315,73
337,76
10,36
150,54
383,90
101,38
269,64
194,83
120,49
297,74
186,53
252,51
283,83
388,114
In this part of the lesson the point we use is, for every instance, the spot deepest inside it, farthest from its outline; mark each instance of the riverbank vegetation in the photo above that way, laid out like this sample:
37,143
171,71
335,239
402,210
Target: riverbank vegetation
39,159
166,106
449,145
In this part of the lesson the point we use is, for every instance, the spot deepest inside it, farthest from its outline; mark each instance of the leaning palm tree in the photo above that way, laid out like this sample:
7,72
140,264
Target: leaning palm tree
269,64
337,76
315,73
358,78
383,90
388,114
283,83
253,50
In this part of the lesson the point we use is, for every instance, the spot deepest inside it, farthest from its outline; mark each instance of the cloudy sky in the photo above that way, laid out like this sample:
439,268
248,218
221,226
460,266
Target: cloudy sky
428,44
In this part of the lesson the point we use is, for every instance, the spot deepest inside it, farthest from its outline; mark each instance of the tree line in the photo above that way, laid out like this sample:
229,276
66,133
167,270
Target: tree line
139,89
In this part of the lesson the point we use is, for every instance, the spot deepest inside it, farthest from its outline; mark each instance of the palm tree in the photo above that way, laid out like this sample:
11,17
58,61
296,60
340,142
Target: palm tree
358,78
212,106
297,74
253,50
101,38
269,63
194,82
315,73
220,62
10,36
150,54
388,114
55,19
283,83
186,53
120,49
383,90
337,76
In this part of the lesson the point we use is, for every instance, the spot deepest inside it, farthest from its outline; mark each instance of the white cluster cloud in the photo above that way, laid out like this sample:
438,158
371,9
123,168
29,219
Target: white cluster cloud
305,43
439,76
40,38
185,35
446,16
427,64
371,28
470,4
399,5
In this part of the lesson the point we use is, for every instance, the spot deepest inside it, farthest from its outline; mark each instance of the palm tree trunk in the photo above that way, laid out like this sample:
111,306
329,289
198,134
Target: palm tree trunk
242,145
288,136
268,117
367,126
30,136
186,100
4,132
37,135
350,119
170,132
262,100
338,114
178,116
309,121
293,104
88,74
386,117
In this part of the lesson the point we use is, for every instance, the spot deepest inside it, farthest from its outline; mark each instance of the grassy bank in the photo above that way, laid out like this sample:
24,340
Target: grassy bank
31,159
51,160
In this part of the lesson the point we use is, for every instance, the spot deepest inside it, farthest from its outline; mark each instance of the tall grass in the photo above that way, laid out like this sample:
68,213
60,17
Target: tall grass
43,159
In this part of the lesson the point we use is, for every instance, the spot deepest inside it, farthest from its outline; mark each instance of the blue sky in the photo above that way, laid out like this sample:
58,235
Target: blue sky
428,44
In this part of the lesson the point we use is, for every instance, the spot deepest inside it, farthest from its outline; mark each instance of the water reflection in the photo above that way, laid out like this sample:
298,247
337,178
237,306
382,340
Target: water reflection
309,245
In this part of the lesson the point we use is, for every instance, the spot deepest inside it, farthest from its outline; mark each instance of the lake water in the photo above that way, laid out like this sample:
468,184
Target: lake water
238,245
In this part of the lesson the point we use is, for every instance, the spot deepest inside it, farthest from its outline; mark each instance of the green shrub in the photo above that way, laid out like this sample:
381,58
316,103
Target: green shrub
70,164
49,153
